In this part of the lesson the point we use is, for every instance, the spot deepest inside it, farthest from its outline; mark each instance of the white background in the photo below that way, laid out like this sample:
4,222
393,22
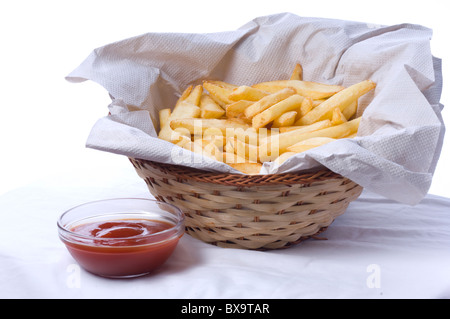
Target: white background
45,120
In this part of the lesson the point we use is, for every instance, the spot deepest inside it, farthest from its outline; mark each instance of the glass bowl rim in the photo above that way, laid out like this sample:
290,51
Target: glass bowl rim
179,220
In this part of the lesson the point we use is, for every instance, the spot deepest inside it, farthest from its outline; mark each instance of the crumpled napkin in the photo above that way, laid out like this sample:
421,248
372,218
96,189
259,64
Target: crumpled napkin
401,132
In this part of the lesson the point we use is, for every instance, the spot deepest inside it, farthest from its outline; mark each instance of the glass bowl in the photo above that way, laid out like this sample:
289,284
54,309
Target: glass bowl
122,237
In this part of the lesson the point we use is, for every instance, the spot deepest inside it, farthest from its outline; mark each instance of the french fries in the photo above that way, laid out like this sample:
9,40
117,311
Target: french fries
297,73
313,90
198,126
219,92
285,119
164,115
340,100
209,109
248,93
183,109
247,125
309,143
267,102
237,109
282,141
291,103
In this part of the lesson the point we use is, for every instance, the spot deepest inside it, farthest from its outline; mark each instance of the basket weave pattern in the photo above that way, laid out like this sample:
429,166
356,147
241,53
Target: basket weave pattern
250,211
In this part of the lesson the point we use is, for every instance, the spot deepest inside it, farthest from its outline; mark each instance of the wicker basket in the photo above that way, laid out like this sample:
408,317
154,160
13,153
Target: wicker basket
250,211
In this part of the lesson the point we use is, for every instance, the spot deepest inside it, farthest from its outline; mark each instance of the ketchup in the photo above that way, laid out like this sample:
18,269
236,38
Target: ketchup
121,248
121,229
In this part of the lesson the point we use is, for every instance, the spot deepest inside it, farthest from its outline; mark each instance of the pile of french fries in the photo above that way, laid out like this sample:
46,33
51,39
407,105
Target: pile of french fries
245,126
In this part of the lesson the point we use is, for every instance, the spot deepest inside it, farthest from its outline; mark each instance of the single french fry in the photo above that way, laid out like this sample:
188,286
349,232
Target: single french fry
180,131
295,130
164,115
291,103
350,110
313,90
196,126
183,110
195,95
244,150
285,119
309,144
289,128
219,92
283,157
237,109
341,99
337,131
267,102
282,141
297,73
184,95
223,84
247,168
247,93
307,105
338,117
209,108
210,132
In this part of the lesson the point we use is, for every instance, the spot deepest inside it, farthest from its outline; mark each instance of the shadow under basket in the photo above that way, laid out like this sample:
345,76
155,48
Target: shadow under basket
258,212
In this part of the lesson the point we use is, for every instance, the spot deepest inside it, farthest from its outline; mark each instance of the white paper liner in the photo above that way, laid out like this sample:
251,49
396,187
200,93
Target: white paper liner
401,132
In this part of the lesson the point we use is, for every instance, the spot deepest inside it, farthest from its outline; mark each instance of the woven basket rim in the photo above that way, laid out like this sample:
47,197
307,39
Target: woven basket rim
243,180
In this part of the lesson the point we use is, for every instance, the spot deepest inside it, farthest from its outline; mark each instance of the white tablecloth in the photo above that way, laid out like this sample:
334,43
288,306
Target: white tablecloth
377,249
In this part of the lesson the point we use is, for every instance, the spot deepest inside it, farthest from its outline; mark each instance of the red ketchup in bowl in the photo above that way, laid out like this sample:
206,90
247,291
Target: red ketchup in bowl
121,238
123,248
